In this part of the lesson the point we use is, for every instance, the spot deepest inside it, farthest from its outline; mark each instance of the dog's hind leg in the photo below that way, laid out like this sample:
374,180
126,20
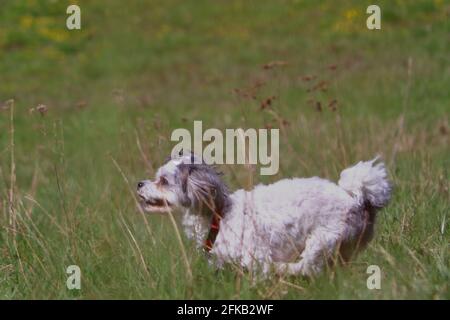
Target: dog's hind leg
319,249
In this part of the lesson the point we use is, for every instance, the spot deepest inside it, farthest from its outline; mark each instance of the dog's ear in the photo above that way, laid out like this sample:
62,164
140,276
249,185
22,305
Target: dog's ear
182,176
201,184
201,175
184,171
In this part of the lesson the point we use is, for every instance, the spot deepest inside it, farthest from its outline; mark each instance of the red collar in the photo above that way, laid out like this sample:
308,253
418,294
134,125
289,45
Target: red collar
213,231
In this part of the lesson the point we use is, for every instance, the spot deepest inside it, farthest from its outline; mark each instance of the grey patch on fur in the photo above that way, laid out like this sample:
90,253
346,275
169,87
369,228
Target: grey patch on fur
203,187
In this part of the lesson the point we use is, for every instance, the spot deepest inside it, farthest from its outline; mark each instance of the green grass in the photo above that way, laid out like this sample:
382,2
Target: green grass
116,89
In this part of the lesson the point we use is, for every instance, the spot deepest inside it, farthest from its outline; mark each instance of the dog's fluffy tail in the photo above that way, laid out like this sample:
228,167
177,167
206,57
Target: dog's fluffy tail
367,181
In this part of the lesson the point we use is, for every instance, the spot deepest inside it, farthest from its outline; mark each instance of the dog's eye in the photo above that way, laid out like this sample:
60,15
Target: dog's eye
163,181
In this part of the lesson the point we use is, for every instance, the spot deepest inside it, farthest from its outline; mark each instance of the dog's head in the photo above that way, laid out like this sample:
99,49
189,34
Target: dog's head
184,181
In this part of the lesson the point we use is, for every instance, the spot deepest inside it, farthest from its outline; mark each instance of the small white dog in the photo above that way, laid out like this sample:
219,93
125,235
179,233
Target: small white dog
293,226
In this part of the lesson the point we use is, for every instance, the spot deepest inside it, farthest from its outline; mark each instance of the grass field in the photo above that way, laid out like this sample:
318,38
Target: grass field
113,92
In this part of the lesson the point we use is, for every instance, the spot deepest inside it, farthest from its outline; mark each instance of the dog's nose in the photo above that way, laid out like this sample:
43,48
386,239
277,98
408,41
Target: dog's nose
140,185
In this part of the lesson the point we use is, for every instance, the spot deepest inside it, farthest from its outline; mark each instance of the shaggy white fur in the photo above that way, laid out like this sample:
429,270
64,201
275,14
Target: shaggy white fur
294,226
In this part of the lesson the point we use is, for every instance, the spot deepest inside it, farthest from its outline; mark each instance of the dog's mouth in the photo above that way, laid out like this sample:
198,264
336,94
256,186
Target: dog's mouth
154,202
